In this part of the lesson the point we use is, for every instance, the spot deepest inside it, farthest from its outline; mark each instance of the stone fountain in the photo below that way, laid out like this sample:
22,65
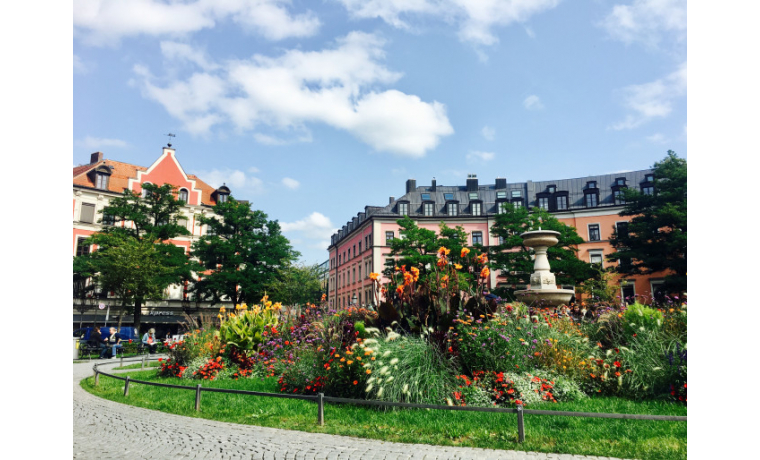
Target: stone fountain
543,286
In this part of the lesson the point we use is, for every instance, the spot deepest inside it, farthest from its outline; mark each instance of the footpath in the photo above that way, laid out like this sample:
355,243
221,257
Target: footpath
109,430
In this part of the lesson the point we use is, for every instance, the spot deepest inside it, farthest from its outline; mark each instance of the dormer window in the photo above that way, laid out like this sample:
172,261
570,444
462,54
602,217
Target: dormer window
473,195
619,197
403,208
222,194
452,208
649,178
448,196
426,196
516,194
501,194
647,189
183,195
591,184
100,176
427,209
101,181
145,192
620,181
476,207
551,188
561,203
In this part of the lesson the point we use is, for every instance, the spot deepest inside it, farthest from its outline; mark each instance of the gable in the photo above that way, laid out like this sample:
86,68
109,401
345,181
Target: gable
167,170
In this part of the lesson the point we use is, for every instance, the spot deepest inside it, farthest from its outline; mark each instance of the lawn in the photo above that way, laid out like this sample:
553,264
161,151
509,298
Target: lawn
570,435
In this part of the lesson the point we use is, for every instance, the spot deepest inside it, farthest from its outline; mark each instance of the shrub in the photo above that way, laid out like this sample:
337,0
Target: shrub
247,328
638,317
508,389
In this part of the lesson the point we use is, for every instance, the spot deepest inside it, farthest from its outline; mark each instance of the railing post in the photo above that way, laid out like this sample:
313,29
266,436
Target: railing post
198,398
520,424
121,360
142,365
97,376
126,387
320,409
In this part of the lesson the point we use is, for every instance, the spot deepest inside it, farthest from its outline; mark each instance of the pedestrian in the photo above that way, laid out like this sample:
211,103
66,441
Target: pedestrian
96,340
149,340
114,341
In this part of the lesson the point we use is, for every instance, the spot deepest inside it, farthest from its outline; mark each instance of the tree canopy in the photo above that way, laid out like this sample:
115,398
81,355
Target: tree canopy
656,235
515,260
241,254
296,285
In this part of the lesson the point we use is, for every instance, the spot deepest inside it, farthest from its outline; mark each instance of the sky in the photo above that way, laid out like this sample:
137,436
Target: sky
313,110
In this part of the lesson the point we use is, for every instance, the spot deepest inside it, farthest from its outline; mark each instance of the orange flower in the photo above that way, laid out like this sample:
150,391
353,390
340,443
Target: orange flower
415,273
400,289
485,272
374,276
369,371
457,266
464,253
356,382
442,262
442,251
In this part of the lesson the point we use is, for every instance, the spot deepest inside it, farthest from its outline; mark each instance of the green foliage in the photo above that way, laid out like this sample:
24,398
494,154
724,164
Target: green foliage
247,329
240,256
296,284
656,238
599,287
514,259
639,317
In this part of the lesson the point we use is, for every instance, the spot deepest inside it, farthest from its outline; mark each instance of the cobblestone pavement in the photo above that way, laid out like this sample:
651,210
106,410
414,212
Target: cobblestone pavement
108,430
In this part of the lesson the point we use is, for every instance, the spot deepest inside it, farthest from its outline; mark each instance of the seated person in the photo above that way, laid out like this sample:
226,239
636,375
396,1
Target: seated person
150,341
96,340
114,341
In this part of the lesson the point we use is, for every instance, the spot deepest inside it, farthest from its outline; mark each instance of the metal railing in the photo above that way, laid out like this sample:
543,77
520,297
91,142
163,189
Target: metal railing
321,399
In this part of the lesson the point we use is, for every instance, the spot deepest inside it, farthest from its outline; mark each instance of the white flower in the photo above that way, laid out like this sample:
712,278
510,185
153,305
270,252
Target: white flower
406,388
384,370
380,391
389,379
369,388
387,352
394,360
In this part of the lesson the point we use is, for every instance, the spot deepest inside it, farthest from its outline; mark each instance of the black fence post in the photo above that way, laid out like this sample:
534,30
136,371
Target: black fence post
198,398
320,409
97,376
520,424
126,387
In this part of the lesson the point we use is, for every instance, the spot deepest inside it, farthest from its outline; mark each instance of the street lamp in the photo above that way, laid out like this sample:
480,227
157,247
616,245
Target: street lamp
353,299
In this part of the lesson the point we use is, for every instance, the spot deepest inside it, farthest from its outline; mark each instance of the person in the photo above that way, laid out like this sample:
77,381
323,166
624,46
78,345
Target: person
96,340
150,341
114,341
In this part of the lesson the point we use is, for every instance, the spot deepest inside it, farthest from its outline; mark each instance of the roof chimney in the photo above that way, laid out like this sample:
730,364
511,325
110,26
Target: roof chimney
501,183
96,157
411,185
472,182
391,199
432,185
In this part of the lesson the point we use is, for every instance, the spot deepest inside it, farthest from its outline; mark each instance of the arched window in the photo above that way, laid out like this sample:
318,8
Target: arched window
144,191
183,194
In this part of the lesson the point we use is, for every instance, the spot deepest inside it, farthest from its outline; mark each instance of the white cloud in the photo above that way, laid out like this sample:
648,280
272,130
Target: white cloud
488,133
337,87
182,51
95,143
316,228
290,183
475,19
647,21
235,179
533,102
102,22
80,67
657,138
474,156
652,100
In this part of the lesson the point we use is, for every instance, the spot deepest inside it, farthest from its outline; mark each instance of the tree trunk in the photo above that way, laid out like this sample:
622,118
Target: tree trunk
137,314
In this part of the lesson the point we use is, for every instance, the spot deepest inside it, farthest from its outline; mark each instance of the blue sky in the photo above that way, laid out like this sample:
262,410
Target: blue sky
312,110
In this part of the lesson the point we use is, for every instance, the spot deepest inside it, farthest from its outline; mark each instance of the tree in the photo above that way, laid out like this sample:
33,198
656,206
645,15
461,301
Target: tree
296,285
514,259
241,255
134,259
84,287
655,239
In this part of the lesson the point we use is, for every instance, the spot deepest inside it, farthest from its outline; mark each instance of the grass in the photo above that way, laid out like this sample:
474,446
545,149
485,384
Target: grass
641,439
137,366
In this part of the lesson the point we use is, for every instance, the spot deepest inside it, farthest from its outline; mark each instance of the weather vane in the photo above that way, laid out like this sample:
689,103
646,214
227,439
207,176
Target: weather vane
170,138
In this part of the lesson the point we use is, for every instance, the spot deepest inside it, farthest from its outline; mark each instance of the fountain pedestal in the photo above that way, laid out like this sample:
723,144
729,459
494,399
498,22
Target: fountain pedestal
543,286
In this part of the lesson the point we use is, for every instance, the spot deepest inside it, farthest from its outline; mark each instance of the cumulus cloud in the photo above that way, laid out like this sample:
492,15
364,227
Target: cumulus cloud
103,22
488,133
474,156
80,67
236,180
475,19
315,230
96,143
533,102
657,138
290,183
652,100
647,21
338,87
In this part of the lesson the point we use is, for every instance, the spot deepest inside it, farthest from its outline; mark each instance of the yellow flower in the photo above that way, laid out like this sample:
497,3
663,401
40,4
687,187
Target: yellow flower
442,251
457,266
349,362
374,276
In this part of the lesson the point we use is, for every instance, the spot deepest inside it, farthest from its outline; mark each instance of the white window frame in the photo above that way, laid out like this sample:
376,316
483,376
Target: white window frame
588,231
596,252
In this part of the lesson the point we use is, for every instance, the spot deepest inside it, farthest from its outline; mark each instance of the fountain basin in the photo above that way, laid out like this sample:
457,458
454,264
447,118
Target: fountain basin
540,238
545,297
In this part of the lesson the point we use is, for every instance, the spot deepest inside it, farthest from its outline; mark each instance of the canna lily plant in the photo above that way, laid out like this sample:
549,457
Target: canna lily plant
247,328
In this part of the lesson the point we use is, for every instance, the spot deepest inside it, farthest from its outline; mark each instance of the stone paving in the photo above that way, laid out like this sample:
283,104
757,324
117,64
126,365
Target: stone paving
108,430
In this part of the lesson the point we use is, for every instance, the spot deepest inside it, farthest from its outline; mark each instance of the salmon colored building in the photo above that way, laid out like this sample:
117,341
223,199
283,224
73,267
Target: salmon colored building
590,204
101,180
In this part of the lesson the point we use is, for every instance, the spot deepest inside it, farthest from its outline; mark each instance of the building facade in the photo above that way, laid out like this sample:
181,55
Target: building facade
590,204
101,180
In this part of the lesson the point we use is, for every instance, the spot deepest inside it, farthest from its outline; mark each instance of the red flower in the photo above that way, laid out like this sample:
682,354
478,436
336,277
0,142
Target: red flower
616,363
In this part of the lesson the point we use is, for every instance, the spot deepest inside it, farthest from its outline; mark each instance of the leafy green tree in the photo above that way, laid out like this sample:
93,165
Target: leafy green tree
140,228
296,285
656,235
83,285
514,259
241,255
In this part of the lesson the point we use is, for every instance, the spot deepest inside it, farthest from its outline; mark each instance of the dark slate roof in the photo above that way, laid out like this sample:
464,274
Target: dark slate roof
487,195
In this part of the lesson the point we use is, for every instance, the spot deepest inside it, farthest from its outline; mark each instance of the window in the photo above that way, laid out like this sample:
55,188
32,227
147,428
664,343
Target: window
427,209
501,194
620,181
101,181
552,188
516,194
628,291
369,241
517,202
657,291
108,219
355,251
425,196
87,214
82,248
592,200
501,207
501,240
452,209
543,202
349,254
360,272
477,238
360,247
647,190
597,258
340,259
591,184
561,202
475,208
619,197
353,276
222,198
593,232
145,192
448,196
388,238
473,195
621,229
183,195
403,209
